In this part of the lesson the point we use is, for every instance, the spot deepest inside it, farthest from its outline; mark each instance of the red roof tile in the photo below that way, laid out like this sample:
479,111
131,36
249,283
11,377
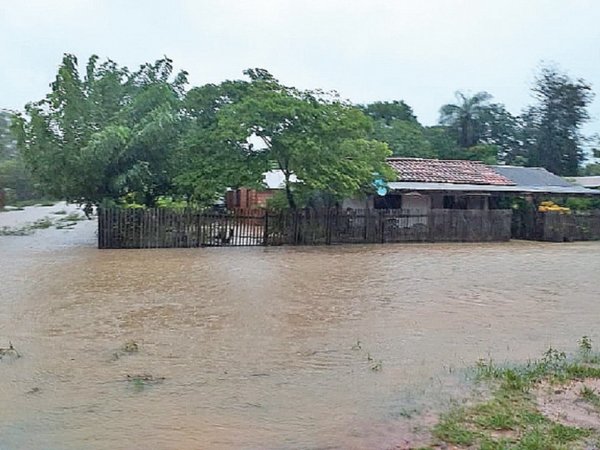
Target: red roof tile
446,171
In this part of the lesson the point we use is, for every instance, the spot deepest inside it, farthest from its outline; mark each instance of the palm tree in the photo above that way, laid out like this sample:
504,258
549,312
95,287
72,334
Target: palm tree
466,117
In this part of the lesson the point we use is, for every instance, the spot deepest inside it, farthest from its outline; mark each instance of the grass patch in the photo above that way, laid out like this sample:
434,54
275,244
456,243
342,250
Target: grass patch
33,202
41,224
72,217
8,231
26,230
509,419
590,396
66,226
454,428
69,221
66,222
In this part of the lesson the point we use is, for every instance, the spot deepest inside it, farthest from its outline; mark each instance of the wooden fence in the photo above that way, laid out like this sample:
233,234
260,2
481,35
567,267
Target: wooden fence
159,228
555,226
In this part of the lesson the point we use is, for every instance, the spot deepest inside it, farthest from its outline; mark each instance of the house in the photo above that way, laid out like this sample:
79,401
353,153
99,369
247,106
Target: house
427,184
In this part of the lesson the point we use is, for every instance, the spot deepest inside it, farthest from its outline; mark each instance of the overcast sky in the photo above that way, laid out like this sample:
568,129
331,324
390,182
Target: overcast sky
420,51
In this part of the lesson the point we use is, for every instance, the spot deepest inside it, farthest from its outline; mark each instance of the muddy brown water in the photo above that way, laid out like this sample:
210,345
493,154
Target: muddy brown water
258,346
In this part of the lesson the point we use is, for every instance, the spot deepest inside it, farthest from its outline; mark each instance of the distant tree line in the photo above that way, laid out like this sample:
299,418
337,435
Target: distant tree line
546,134
108,135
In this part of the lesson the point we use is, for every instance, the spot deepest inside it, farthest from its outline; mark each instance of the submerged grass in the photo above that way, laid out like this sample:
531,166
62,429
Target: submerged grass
68,221
72,217
40,224
510,418
8,231
33,202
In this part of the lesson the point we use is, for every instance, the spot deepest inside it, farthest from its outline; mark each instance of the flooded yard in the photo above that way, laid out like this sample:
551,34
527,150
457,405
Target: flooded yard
266,348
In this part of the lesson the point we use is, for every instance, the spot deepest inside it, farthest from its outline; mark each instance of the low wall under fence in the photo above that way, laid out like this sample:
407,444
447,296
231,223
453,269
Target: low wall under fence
160,228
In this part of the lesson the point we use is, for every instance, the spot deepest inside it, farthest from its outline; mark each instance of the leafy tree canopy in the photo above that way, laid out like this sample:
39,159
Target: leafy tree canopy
8,148
465,117
591,170
553,136
311,135
389,112
106,134
210,157
404,138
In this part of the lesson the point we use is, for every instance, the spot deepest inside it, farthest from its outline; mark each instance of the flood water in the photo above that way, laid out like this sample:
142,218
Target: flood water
258,346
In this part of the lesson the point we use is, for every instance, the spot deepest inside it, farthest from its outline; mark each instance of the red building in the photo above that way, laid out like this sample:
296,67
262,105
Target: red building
245,198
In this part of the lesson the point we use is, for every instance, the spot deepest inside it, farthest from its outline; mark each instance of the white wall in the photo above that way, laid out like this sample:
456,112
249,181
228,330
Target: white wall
358,203
417,203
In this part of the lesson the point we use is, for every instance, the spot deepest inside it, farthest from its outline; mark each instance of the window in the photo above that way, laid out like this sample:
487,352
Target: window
455,202
388,202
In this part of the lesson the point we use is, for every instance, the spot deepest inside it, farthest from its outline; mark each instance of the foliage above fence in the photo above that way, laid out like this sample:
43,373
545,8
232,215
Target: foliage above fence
157,228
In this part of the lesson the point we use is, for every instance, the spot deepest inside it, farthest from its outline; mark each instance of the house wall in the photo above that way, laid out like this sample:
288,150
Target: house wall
477,202
437,201
420,202
461,201
417,203
358,203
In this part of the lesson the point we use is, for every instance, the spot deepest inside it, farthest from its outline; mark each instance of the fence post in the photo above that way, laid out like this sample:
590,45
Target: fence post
266,228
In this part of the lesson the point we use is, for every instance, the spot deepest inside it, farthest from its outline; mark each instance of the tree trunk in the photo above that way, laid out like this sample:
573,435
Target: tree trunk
289,194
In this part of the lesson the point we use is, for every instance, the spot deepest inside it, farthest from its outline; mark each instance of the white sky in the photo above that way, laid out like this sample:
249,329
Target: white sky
420,51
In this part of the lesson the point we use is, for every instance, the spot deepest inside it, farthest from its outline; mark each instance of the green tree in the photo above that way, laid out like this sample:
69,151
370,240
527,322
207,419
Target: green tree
465,118
504,131
443,140
15,179
8,147
553,126
405,138
105,135
591,170
210,158
316,138
395,124
388,112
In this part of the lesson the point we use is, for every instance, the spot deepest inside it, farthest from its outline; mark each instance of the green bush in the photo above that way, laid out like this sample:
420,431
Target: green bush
583,204
16,181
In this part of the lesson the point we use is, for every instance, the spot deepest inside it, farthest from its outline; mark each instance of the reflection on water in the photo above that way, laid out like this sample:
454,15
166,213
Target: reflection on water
259,347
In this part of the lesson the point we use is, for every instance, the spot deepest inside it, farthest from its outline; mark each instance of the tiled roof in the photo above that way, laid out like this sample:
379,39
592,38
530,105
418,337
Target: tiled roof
446,171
